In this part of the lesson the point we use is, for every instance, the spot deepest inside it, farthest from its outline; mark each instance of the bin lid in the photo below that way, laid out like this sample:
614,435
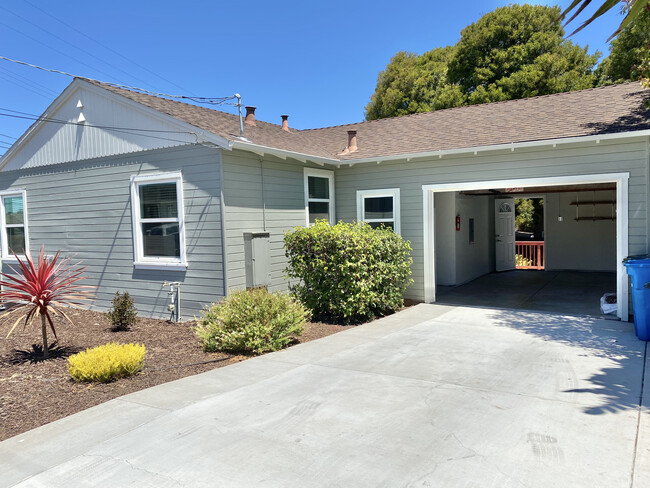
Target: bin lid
637,261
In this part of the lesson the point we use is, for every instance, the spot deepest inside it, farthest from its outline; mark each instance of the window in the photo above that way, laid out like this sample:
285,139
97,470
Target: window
377,207
158,230
319,195
14,224
471,231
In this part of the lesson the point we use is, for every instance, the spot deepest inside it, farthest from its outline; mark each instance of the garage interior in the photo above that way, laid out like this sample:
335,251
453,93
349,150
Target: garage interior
568,270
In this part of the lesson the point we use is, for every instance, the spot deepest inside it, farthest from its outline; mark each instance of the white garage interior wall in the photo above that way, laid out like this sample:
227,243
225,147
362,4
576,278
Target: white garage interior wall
457,260
585,245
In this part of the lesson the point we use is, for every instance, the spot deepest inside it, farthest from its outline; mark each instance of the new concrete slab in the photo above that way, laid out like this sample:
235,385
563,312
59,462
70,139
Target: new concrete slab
433,396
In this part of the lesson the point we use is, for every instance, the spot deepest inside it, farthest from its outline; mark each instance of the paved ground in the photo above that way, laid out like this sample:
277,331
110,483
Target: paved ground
433,396
570,292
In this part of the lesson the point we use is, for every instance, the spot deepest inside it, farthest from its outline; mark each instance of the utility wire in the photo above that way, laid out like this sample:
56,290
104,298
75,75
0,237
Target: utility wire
123,130
58,50
30,82
73,45
139,65
208,100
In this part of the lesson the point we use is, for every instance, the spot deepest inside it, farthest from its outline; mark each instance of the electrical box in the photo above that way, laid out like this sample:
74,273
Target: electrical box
257,257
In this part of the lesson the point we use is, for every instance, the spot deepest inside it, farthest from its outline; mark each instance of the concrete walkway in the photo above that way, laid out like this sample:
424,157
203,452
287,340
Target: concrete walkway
432,396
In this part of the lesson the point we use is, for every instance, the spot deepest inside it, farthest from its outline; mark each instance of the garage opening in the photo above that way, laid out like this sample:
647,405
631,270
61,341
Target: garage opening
551,245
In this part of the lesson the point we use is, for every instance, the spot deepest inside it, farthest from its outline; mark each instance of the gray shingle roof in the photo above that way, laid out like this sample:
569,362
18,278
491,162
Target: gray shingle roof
603,110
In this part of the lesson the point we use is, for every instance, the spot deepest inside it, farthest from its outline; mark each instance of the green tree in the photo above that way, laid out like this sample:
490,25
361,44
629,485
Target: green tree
629,52
519,51
412,84
514,52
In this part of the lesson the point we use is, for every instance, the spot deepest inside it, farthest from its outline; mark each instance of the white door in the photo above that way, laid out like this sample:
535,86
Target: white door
505,233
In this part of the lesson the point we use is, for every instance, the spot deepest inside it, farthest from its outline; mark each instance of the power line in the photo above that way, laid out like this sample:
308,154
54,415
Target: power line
30,82
123,130
7,135
72,45
139,65
208,100
58,51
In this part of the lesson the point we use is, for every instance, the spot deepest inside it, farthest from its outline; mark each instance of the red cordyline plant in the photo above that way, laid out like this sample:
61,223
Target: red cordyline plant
43,289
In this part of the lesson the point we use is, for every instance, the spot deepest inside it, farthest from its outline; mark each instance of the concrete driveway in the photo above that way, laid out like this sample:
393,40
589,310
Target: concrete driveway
432,396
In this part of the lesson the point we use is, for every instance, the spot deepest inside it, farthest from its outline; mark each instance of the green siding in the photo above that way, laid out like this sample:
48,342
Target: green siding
576,159
84,208
261,194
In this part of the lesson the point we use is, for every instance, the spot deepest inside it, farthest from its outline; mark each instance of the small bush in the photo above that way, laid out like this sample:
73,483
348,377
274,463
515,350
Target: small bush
348,272
107,363
251,321
123,314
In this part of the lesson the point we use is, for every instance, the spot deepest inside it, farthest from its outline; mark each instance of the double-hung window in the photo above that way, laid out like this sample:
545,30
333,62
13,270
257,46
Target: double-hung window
13,217
319,195
379,207
158,227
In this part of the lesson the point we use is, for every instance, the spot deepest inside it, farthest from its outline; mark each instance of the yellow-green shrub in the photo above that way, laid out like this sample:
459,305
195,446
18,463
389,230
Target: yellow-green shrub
251,321
106,363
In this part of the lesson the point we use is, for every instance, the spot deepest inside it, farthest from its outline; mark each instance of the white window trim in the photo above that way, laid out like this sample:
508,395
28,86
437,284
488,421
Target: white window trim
387,192
3,224
320,173
160,263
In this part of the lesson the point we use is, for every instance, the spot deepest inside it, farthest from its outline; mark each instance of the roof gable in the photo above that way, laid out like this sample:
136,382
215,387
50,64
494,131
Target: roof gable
87,122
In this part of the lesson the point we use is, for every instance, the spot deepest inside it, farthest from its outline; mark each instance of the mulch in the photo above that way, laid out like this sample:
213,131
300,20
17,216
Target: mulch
34,392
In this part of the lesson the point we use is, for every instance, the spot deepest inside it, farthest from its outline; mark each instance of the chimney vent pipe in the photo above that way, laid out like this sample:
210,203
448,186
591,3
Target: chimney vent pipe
352,140
285,122
250,116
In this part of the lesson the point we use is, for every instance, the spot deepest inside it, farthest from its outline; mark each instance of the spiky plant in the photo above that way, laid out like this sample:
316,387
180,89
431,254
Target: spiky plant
42,289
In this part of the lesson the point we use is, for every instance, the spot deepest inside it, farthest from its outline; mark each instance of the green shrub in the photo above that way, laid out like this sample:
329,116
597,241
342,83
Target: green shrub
123,314
348,272
106,363
251,321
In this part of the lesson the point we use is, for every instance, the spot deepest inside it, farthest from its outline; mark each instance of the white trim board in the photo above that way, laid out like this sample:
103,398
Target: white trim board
621,180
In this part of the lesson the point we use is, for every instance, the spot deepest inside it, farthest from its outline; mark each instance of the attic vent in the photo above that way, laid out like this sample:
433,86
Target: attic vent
81,118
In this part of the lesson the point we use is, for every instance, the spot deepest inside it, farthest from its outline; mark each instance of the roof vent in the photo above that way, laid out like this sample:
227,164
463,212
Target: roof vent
285,122
352,143
250,116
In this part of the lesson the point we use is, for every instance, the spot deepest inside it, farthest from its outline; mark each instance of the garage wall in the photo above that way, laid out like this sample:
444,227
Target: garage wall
579,245
445,214
567,159
473,260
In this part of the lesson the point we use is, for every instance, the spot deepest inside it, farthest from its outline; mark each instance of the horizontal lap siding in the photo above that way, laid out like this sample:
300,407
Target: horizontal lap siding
261,194
583,159
84,208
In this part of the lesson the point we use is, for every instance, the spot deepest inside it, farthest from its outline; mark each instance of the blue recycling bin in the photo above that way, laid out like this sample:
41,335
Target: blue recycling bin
639,271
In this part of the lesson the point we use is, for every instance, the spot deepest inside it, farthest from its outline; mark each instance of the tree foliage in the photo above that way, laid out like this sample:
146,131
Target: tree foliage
412,84
513,52
629,52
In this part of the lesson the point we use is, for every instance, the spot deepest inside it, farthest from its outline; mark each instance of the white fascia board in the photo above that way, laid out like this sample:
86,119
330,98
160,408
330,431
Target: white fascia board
500,147
75,86
280,153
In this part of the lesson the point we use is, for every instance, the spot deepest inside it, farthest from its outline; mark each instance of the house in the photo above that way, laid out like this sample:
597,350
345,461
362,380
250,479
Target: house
147,191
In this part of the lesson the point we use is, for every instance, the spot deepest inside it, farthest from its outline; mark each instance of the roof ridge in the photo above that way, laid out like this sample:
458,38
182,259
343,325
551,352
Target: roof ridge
466,107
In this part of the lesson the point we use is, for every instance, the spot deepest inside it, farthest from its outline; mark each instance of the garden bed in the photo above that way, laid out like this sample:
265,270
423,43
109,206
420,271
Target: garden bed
35,392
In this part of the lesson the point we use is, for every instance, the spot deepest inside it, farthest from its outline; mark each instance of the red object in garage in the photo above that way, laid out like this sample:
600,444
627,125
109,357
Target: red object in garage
458,222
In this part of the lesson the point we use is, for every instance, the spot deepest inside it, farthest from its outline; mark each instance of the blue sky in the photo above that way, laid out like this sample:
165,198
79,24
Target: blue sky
316,61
